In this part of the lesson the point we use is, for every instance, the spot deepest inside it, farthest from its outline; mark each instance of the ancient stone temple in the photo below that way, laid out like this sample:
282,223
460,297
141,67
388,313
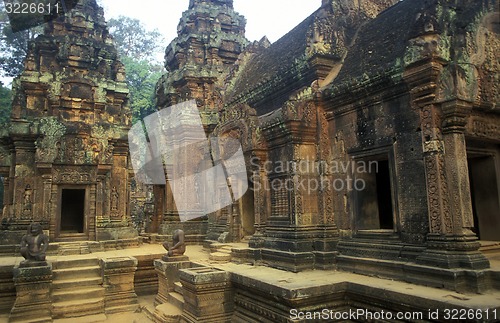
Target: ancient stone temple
211,36
65,162
362,138
374,134
370,139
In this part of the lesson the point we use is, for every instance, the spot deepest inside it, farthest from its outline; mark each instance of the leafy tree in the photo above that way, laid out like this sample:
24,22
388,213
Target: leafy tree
138,48
133,39
5,104
141,79
13,45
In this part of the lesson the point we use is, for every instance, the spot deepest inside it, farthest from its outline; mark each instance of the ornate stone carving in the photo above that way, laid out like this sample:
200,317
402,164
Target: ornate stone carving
27,211
73,177
178,246
34,245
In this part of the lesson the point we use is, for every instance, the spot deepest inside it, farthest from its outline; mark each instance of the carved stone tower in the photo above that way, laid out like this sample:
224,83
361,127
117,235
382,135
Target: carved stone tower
211,36
67,164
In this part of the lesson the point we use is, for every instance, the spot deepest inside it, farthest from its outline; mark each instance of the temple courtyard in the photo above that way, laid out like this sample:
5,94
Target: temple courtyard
343,291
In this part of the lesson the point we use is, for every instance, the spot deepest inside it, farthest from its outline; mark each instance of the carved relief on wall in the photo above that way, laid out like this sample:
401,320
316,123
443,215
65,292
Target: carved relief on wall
48,146
115,198
243,119
483,44
325,37
27,211
73,176
484,127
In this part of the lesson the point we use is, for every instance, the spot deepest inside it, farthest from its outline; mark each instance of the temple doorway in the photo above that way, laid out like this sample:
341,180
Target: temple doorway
374,205
485,196
72,216
247,212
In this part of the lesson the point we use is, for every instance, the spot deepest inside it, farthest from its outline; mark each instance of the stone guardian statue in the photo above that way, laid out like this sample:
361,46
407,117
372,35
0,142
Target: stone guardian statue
34,244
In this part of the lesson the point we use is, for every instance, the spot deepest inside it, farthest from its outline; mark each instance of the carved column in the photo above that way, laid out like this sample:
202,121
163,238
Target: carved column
294,185
47,191
261,199
325,245
450,242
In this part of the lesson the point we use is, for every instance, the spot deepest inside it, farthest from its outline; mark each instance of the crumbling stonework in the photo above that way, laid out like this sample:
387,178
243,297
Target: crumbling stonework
210,40
368,132
67,166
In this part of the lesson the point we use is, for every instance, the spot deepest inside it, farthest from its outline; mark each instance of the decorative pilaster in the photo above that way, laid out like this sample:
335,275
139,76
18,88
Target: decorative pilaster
450,242
261,199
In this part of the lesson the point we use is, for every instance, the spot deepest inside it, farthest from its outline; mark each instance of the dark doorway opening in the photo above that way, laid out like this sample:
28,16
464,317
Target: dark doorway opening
374,202
384,195
247,212
72,210
485,197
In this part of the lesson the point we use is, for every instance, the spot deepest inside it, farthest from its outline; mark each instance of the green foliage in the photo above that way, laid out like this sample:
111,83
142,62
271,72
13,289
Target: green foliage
138,47
133,39
5,104
13,45
141,79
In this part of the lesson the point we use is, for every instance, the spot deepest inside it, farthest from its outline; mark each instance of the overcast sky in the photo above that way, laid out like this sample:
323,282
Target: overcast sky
271,18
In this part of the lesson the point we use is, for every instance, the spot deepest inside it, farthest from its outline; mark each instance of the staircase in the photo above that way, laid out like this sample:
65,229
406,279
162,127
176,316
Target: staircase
77,288
170,312
220,252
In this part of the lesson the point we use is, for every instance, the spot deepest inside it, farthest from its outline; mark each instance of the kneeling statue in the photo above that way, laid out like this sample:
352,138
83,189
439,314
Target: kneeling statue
178,246
34,243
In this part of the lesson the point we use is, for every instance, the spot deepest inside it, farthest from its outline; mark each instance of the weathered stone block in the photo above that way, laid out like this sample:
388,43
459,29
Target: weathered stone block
33,301
168,274
118,279
207,294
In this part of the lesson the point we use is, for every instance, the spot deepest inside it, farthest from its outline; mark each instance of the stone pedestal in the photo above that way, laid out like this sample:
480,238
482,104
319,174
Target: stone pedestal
167,270
453,252
168,258
33,281
207,295
118,278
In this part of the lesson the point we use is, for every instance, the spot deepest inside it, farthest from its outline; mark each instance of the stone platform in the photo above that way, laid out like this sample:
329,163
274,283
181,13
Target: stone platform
273,293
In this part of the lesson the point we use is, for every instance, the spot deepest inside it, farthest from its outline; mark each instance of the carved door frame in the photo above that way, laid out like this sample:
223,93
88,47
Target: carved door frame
73,236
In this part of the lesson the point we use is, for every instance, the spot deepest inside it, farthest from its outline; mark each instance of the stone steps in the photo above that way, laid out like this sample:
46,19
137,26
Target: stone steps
76,308
220,252
63,295
172,310
85,262
77,288
178,288
167,313
220,257
176,299
81,272
76,282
